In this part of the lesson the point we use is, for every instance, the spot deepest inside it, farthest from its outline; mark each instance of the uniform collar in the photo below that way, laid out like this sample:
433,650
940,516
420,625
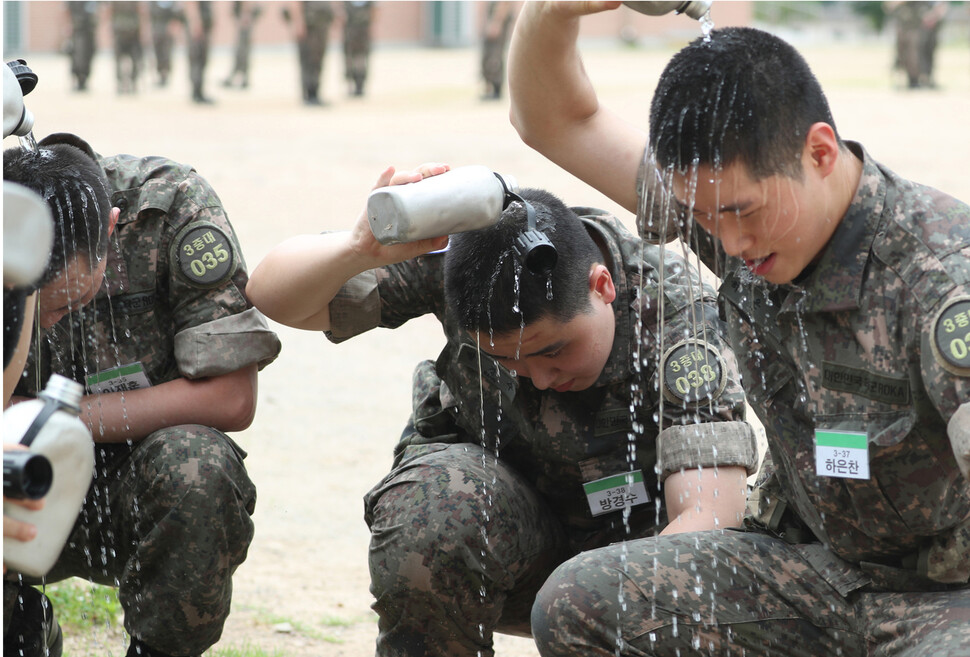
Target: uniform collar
835,284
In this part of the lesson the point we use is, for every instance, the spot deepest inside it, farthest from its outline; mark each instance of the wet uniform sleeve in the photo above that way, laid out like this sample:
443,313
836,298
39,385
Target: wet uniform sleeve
217,330
388,297
699,380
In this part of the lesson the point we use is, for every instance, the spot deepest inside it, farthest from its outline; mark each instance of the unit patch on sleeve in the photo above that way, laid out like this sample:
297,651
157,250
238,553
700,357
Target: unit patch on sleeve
693,371
204,255
951,337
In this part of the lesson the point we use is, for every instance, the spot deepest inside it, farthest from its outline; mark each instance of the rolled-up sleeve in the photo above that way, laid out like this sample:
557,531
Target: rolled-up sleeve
225,345
710,444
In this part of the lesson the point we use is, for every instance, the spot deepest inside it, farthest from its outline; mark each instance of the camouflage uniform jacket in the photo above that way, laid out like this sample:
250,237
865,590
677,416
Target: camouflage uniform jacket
173,302
874,340
559,441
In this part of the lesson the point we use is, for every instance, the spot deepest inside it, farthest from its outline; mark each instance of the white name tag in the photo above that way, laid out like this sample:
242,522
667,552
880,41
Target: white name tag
616,493
842,454
118,379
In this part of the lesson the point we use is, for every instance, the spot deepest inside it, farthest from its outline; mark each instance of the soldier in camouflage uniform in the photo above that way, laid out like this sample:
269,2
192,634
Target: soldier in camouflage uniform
84,27
536,432
310,22
358,15
847,296
162,14
126,29
917,31
499,17
168,349
245,15
198,32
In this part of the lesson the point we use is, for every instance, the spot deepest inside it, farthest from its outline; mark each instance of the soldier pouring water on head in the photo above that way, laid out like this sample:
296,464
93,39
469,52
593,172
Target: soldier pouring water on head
846,291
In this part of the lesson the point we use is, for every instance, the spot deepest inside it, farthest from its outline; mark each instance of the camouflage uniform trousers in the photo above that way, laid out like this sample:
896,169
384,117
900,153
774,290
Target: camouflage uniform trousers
493,61
162,39
83,47
167,521
357,44
198,60
738,593
128,60
312,50
460,544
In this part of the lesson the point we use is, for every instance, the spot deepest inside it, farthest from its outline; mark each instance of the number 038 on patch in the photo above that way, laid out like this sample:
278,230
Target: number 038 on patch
693,371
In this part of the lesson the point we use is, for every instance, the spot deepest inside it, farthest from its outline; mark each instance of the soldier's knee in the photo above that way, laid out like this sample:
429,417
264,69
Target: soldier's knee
201,462
551,610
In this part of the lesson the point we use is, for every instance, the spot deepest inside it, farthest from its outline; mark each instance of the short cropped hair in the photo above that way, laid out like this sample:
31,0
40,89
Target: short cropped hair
488,287
75,188
742,96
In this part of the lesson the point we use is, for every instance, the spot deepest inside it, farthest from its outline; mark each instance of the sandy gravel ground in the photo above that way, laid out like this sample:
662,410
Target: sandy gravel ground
329,415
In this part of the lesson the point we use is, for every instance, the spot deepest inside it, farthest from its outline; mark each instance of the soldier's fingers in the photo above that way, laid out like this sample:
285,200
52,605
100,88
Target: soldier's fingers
571,8
429,169
384,179
18,530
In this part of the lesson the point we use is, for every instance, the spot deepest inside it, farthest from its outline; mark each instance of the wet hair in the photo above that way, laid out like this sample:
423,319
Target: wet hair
70,179
743,96
489,289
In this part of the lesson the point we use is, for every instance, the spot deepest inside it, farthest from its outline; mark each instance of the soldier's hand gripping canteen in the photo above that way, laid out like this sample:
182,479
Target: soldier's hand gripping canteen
466,198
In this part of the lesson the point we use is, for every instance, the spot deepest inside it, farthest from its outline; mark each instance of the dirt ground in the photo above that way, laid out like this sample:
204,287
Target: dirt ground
329,415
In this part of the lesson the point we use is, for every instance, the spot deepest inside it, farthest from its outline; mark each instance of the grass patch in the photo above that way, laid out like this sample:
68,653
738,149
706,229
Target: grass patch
245,650
80,606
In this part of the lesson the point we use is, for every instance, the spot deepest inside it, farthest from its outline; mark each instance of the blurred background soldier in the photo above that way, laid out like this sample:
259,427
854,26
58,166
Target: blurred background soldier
245,15
311,27
84,23
126,30
499,18
917,33
162,15
358,16
198,25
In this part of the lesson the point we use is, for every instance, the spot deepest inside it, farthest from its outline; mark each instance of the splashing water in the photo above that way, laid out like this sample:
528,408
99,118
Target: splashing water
707,25
28,143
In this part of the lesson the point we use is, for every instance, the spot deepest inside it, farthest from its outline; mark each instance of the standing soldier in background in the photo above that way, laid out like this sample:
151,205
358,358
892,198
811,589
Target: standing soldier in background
198,25
358,15
311,26
245,15
84,24
499,18
162,14
917,30
126,30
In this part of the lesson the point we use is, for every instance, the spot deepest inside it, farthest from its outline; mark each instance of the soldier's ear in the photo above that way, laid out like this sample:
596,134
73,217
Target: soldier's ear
601,283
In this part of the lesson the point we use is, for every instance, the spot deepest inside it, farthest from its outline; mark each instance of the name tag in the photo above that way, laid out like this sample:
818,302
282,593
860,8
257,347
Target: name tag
118,379
616,492
842,454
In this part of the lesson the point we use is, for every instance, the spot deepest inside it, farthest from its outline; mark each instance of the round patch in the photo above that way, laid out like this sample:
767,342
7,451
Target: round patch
693,371
951,337
205,255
